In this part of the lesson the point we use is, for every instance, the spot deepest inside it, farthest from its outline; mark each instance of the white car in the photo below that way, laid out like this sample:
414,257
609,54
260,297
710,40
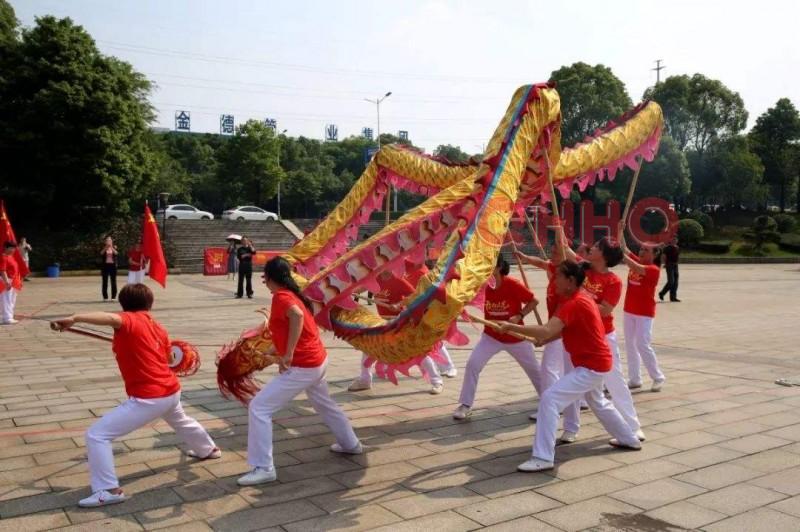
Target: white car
248,212
182,211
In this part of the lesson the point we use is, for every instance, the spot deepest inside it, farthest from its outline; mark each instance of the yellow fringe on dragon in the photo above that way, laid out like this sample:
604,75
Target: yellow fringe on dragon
466,216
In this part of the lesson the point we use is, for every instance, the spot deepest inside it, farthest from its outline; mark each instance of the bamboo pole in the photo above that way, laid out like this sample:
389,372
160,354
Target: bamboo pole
495,326
553,201
524,277
631,191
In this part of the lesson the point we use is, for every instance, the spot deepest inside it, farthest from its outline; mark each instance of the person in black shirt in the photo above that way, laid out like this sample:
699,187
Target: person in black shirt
245,255
671,254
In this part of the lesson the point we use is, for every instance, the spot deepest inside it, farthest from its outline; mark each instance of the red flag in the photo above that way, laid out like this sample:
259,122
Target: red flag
7,235
151,248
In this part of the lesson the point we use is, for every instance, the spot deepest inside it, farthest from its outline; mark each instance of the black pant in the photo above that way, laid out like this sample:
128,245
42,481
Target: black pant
245,274
109,272
671,285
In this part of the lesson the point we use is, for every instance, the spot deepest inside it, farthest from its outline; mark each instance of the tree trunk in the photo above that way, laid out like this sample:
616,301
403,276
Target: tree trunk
798,194
782,195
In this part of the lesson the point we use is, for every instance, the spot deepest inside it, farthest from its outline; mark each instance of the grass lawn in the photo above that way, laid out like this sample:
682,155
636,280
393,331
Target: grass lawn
740,249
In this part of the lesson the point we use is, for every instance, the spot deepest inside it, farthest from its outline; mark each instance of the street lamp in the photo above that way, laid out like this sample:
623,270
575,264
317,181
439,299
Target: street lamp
377,103
279,181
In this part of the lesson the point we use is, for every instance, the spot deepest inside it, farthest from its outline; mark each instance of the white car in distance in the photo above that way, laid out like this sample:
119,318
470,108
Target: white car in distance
183,211
248,212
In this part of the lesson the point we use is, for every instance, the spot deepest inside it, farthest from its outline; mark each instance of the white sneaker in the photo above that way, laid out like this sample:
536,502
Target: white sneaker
613,442
535,464
258,475
213,455
102,498
358,449
657,385
436,389
358,385
451,373
634,385
12,321
568,437
640,435
462,412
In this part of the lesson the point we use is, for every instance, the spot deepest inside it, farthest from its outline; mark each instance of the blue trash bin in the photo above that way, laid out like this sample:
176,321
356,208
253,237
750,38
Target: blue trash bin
53,271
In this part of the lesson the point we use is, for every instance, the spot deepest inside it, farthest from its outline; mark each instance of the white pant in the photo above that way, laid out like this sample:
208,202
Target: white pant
620,393
448,364
136,277
552,363
576,384
276,394
638,348
8,300
485,349
129,416
427,363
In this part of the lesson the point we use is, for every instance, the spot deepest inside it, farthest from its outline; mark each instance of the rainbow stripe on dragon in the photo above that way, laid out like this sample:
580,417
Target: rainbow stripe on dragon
466,215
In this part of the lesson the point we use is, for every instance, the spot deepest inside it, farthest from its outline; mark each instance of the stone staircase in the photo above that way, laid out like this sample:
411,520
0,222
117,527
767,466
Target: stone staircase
185,240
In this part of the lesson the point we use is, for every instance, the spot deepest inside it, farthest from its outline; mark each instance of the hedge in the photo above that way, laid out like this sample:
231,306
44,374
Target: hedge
690,232
786,223
715,246
790,242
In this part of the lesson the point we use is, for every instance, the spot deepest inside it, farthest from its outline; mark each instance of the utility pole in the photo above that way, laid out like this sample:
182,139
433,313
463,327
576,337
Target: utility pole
659,67
377,103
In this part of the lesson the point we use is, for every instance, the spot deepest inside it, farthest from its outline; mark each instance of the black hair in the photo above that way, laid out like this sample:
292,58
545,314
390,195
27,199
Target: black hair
279,271
135,297
503,264
611,250
9,244
574,270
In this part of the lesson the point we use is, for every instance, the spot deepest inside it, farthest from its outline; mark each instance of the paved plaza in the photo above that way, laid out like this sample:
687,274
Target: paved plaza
722,450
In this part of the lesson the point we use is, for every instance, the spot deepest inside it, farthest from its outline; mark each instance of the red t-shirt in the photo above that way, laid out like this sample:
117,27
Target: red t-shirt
141,346
552,295
309,351
414,273
640,298
9,265
135,260
392,291
503,302
583,333
604,287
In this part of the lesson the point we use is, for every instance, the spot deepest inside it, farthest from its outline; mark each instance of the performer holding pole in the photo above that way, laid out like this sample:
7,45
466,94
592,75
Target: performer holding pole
303,362
508,300
141,346
640,311
578,321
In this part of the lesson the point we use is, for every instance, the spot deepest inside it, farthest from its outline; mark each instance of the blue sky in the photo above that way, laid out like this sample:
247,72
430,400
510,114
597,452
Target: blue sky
451,65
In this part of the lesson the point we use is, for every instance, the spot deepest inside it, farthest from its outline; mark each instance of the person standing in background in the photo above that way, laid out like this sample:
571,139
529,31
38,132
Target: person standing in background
671,255
24,250
245,254
108,257
10,283
233,263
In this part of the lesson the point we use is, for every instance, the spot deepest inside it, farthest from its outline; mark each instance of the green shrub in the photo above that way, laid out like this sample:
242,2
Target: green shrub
689,232
786,223
703,219
790,242
715,246
764,230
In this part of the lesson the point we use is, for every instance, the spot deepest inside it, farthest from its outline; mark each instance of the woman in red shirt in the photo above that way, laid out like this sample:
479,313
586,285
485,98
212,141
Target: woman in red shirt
640,311
141,346
578,321
509,300
302,365
389,298
10,283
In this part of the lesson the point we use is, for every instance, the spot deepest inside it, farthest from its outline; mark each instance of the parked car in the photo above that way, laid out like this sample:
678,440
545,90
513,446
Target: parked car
183,211
248,212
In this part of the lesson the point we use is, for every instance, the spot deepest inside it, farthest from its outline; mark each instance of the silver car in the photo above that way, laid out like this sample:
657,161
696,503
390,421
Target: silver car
248,212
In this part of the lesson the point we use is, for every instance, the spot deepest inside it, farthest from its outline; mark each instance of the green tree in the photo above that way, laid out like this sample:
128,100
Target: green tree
8,23
451,153
249,167
73,128
590,97
737,172
698,109
774,137
763,231
667,176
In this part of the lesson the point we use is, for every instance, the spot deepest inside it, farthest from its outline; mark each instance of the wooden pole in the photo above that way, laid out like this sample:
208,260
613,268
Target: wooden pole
535,236
630,192
524,277
494,325
84,332
553,201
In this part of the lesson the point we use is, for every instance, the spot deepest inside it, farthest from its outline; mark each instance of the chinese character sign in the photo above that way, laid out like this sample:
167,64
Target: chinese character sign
402,135
367,133
226,125
183,121
271,123
331,133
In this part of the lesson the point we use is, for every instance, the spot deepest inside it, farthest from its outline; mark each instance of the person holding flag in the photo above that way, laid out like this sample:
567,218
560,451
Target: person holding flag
151,248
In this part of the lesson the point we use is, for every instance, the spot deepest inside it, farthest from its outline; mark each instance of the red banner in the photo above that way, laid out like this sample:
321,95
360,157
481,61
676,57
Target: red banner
215,261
